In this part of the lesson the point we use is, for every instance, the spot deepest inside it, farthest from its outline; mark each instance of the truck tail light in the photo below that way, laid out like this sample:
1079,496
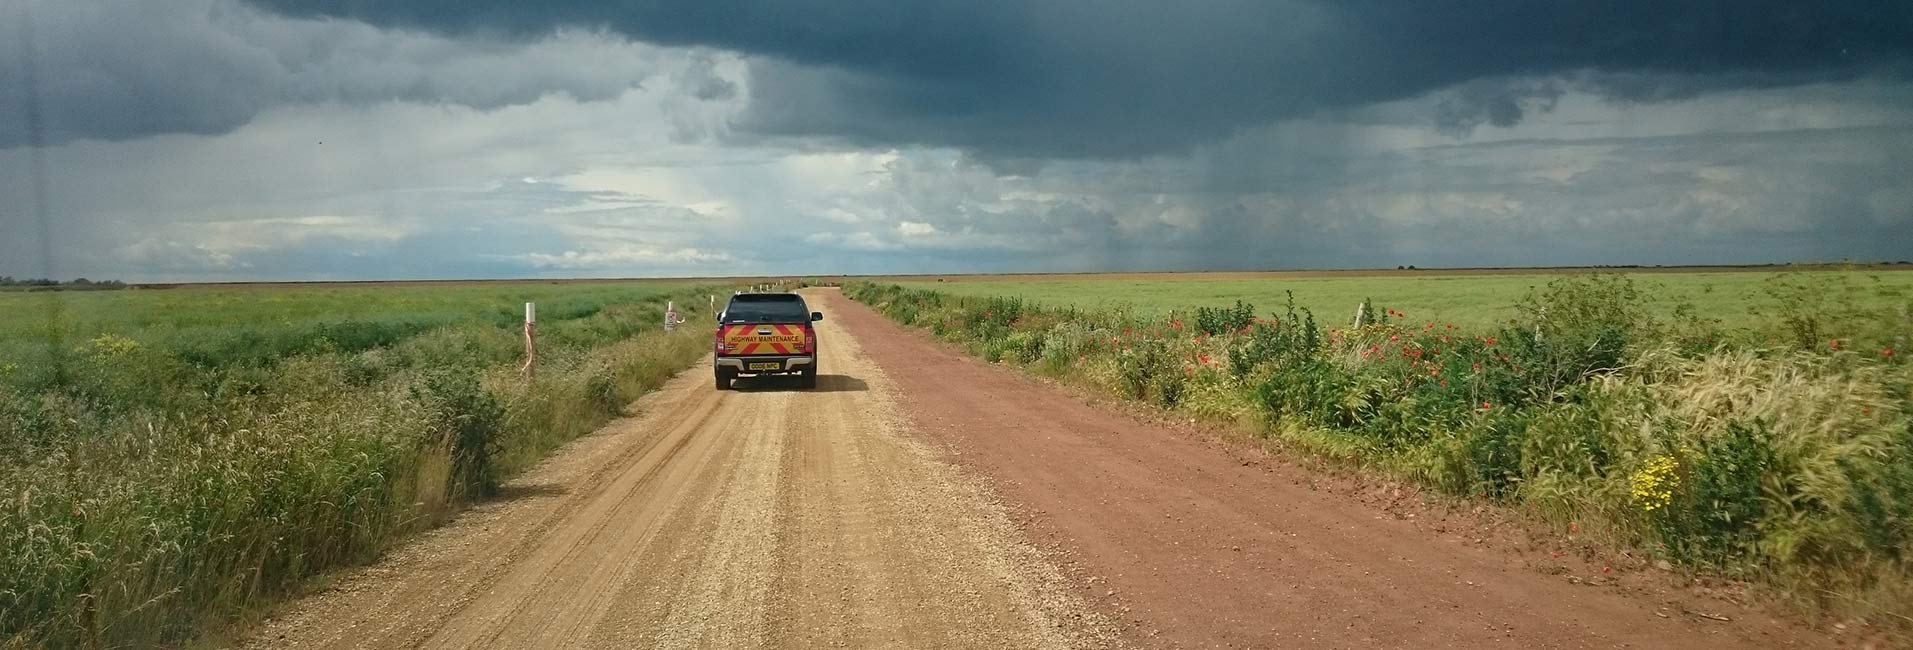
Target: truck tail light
810,339
720,339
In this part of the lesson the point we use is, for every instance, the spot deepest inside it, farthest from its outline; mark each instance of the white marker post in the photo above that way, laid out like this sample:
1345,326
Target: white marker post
670,316
531,340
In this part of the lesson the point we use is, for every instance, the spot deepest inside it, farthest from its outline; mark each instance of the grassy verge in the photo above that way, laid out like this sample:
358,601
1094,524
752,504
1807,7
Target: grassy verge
161,475
1780,451
1476,300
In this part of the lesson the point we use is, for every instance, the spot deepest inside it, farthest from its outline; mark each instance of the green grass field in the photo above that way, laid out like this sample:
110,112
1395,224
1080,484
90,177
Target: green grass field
173,458
217,326
1473,300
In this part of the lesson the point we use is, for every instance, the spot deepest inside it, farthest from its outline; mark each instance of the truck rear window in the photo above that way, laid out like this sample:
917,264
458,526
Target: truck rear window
766,309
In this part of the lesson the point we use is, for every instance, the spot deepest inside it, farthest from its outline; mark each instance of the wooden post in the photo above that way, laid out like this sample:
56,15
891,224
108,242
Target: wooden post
531,341
1361,312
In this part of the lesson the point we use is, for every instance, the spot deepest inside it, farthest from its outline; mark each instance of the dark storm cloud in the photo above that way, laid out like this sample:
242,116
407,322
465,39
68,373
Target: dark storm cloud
122,69
1121,77
1494,101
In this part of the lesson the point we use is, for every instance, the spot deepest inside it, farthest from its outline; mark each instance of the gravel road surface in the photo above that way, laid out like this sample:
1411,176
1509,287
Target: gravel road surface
766,517
920,498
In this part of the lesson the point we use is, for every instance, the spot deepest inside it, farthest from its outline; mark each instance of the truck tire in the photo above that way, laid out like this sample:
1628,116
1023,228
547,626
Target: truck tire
724,378
809,378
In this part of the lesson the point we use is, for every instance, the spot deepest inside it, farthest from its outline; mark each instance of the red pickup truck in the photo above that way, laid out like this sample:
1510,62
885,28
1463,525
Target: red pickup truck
766,334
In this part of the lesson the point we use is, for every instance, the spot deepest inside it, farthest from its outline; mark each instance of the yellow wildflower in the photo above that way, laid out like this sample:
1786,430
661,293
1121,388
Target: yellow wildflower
113,345
1654,483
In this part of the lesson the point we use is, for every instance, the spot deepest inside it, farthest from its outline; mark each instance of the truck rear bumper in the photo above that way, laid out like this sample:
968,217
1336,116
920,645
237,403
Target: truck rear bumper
749,365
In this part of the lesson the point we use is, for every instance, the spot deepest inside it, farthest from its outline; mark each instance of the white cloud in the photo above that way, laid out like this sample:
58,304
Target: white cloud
223,245
629,257
860,241
284,232
171,255
916,229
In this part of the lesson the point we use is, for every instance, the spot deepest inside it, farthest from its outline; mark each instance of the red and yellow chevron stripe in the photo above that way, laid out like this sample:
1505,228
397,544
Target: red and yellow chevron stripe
776,339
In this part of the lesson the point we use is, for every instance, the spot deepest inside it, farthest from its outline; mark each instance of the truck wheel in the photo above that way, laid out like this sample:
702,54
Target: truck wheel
809,378
724,378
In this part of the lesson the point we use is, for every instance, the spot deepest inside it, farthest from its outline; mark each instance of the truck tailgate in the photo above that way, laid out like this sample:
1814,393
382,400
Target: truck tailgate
764,338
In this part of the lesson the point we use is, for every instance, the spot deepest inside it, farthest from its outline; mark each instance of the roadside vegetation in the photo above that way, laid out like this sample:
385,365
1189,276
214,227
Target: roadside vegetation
171,459
1775,445
1477,301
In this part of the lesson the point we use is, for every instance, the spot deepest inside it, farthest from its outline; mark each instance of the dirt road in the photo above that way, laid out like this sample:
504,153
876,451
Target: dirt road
766,517
902,505
1195,543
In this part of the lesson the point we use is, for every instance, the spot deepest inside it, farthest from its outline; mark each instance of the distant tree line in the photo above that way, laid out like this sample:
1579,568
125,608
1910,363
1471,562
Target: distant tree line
1411,267
8,281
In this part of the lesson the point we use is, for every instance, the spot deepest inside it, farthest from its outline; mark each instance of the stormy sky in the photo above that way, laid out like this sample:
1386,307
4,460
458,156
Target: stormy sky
332,139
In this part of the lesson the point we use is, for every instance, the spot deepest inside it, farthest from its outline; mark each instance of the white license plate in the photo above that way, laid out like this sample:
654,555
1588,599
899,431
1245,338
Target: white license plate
772,365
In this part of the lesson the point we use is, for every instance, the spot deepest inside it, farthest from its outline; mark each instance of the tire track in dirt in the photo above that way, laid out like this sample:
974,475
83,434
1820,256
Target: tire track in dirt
402,600
767,517
550,597
1189,546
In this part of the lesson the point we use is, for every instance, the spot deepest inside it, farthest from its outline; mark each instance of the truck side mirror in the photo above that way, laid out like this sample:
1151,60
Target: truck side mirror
817,315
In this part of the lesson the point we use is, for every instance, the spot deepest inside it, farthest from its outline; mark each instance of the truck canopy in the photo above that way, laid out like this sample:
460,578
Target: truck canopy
766,308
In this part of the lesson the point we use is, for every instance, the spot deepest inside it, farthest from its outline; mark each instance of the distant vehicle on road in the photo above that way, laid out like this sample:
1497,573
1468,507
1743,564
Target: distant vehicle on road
766,334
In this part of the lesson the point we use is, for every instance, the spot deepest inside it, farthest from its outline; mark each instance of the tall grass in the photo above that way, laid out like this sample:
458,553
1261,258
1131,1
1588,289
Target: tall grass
165,480
1778,449
1474,300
